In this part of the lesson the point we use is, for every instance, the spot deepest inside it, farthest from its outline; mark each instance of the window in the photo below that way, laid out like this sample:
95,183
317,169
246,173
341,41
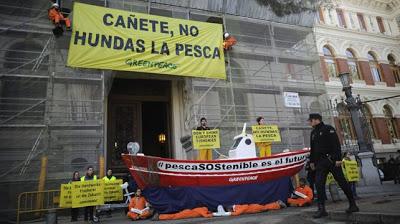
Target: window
380,24
361,21
390,121
351,20
330,62
395,69
345,122
161,12
342,22
370,122
321,16
390,27
373,64
330,16
371,24
352,63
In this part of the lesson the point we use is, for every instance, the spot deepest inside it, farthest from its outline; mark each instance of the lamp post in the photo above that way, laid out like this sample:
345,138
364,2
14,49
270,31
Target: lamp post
354,106
365,153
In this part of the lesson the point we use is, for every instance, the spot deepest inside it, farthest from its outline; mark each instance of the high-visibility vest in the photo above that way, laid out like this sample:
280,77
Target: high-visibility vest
111,179
83,178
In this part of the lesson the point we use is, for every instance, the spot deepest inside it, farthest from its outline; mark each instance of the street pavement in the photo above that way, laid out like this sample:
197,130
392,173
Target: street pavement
378,204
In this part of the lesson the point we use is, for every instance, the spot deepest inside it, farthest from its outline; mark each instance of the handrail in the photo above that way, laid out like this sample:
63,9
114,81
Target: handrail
40,16
31,153
17,166
37,201
40,58
27,63
21,112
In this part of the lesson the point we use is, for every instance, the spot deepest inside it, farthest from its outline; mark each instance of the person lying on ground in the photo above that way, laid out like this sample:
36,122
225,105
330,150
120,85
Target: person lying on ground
255,208
185,214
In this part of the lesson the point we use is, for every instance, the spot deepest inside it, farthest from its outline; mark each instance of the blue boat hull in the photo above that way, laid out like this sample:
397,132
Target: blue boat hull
174,199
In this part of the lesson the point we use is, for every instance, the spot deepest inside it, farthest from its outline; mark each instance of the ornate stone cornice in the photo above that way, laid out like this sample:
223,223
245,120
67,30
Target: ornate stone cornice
372,5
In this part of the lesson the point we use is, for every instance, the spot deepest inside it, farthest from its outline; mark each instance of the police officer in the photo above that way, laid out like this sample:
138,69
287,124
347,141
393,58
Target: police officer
325,157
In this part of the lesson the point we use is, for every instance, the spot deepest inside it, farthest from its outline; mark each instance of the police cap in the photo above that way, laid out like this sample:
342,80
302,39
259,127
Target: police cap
314,116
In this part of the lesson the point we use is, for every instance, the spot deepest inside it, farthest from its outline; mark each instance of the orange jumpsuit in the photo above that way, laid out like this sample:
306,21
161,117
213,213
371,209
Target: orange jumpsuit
187,213
306,190
56,16
254,208
229,42
138,203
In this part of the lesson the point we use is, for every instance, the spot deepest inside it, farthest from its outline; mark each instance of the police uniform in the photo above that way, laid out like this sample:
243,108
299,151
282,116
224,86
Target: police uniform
325,151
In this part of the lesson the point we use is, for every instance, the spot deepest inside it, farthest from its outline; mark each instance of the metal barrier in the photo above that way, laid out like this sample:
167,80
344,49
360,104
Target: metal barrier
38,201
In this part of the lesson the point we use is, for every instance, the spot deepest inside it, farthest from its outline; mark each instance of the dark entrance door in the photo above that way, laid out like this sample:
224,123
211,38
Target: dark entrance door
138,111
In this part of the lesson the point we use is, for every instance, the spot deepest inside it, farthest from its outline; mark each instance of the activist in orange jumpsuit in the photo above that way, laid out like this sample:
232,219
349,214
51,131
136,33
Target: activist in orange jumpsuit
229,41
306,191
57,17
204,154
264,147
138,207
255,208
186,214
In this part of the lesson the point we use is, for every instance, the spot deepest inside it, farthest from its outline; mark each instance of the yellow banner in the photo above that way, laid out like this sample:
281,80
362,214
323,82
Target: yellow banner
266,133
104,38
351,170
207,139
65,196
113,190
87,193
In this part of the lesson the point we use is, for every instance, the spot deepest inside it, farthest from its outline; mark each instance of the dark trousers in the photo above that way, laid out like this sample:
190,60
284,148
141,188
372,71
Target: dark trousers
396,176
353,188
311,180
88,213
324,166
74,214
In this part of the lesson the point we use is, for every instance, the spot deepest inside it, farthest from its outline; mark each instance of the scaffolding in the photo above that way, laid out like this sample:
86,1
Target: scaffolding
47,110
274,54
50,110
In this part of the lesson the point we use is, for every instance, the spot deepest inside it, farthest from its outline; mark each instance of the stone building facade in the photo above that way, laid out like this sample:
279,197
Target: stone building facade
363,38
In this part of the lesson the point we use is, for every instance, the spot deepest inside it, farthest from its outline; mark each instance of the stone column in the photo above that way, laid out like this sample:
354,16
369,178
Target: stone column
382,130
365,71
387,75
339,130
398,125
342,65
324,69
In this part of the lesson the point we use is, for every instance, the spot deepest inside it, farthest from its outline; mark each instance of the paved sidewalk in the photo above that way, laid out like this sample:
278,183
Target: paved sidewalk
378,204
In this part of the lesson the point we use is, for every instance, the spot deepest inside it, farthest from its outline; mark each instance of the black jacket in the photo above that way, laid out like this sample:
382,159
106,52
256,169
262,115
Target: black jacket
324,144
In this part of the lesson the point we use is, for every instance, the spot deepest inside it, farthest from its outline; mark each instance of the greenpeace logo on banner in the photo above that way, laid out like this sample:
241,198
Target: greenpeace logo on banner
247,178
105,38
221,167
